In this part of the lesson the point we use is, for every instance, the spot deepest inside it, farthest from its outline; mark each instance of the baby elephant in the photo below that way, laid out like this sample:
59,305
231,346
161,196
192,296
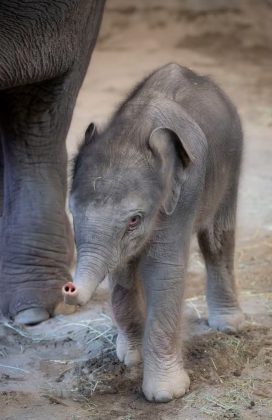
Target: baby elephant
166,166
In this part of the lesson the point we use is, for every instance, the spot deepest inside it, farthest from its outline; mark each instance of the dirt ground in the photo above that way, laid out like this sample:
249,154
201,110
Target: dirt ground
66,368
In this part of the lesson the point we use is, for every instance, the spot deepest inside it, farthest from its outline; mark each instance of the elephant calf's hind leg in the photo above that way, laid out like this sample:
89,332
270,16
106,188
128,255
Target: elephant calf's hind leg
217,246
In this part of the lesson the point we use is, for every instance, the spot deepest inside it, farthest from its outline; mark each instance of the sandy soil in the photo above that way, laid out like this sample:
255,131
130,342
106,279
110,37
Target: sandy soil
66,368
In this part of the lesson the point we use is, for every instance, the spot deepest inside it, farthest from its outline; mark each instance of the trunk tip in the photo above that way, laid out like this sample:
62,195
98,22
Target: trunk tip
70,293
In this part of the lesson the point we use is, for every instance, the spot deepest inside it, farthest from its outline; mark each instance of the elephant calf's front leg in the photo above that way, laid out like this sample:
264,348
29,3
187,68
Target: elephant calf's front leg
128,310
164,375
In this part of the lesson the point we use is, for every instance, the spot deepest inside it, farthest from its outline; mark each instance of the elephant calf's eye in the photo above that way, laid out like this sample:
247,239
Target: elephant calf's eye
133,222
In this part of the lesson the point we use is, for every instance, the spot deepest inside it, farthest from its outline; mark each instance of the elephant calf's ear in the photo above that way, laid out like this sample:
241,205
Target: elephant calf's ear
173,158
90,133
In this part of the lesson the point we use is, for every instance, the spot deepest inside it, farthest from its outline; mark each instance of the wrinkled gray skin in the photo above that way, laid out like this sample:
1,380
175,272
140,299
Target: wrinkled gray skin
45,48
166,166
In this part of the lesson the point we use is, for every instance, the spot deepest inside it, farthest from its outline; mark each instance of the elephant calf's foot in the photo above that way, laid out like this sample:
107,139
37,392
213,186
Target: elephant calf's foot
128,350
228,321
167,385
31,316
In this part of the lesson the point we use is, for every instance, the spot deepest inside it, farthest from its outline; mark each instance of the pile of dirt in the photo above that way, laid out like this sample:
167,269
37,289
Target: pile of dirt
215,357
230,376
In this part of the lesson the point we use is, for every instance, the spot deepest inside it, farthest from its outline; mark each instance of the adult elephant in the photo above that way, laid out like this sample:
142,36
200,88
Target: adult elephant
45,48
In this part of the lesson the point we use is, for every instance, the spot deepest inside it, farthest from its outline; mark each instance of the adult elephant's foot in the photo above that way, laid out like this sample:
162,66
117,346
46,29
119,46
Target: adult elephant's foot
34,268
32,316
29,300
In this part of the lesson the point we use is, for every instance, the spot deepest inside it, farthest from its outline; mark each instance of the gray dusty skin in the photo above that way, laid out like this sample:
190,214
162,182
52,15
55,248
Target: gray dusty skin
45,49
166,166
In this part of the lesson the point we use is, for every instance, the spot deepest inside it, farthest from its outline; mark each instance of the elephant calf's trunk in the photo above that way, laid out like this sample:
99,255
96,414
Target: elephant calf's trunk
78,294
87,277
70,293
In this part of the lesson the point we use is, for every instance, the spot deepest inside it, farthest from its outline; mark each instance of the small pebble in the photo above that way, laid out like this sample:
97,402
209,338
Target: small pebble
251,404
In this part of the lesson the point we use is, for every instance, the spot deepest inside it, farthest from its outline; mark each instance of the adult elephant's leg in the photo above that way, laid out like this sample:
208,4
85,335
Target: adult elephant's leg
1,182
35,237
34,121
